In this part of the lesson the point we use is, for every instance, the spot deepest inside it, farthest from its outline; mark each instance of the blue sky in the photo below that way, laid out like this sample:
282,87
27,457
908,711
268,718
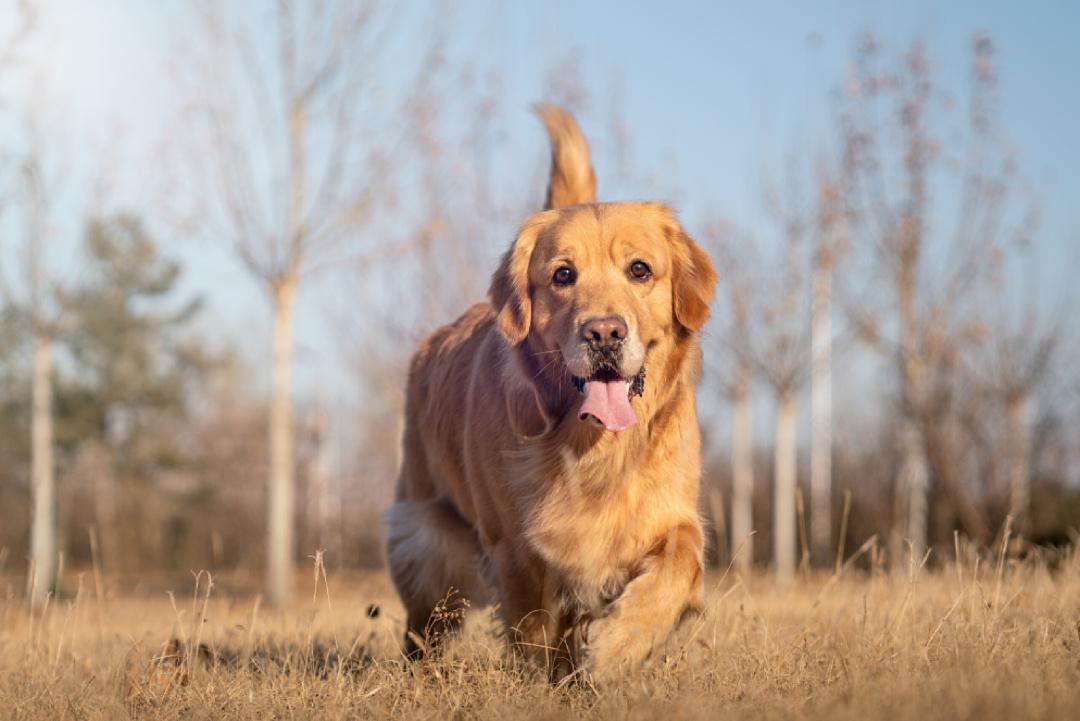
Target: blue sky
715,94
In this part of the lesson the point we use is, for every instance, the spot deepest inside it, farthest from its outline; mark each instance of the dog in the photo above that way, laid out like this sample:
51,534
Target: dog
551,449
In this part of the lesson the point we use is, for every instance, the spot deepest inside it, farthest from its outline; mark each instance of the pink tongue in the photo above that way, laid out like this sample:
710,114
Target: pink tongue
609,403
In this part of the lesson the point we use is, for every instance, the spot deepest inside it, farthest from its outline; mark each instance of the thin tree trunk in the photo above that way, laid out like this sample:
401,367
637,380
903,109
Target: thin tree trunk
320,476
821,416
102,467
1019,463
280,521
913,482
913,479
945,459
784,541
43,531
914,473
282,482
918,511
742,470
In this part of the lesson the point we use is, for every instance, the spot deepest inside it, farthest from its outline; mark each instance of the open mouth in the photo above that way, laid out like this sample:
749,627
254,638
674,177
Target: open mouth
607,397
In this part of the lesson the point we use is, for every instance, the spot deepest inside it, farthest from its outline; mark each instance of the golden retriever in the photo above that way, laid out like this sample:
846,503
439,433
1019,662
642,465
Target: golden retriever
551,458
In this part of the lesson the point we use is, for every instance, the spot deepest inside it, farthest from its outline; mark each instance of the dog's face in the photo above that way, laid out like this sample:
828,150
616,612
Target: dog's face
604,289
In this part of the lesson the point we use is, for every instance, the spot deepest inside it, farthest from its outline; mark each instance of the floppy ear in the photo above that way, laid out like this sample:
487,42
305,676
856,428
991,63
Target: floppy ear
693,279
509,291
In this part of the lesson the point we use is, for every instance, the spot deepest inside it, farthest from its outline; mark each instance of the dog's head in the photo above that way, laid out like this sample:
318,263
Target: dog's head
606,290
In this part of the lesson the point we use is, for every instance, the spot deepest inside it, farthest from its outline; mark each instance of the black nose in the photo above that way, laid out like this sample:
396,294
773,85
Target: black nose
605,332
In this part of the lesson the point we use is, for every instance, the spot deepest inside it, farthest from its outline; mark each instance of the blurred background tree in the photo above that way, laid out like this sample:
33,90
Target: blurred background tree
134,371
287,177
906,182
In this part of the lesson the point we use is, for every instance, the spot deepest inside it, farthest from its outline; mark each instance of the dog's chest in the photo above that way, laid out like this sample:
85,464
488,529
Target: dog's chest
593,522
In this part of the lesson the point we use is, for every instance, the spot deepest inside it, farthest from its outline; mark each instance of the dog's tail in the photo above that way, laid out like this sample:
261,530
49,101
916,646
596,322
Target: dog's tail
572,178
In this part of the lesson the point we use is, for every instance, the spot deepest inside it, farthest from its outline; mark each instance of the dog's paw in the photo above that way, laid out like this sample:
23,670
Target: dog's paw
616,644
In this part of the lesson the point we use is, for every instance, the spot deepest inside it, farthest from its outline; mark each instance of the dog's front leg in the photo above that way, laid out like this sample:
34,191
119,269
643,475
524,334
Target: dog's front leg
528,604
669,583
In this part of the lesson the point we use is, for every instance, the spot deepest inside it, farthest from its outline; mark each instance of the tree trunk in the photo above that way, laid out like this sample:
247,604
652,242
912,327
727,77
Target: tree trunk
742,471
821,416
97,461
1019,463
913,484
784,544
320,478
913,478
281,492
43,530
944,457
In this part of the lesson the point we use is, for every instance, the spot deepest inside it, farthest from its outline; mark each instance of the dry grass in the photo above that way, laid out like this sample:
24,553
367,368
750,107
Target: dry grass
983,640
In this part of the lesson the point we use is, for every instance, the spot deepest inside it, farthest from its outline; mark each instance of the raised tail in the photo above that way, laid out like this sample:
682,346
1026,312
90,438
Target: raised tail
572,178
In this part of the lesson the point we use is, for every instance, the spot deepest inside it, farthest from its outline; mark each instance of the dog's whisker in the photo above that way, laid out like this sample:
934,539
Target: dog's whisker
549,364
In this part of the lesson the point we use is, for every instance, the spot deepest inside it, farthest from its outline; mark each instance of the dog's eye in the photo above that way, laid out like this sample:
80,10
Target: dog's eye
565,275
640,270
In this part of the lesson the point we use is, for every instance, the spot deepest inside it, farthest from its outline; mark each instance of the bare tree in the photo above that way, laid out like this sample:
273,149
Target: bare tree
783,355
770,335
1013,363
281,117
37,307
43,327
742,446
897,228
831,241
41,580
782,364
932,273
42,530
737,377
780,351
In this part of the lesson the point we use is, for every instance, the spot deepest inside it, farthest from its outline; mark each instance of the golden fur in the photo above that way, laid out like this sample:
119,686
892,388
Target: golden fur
589,540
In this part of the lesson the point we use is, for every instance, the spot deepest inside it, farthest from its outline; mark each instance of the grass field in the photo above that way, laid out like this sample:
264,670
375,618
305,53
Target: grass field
978,640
